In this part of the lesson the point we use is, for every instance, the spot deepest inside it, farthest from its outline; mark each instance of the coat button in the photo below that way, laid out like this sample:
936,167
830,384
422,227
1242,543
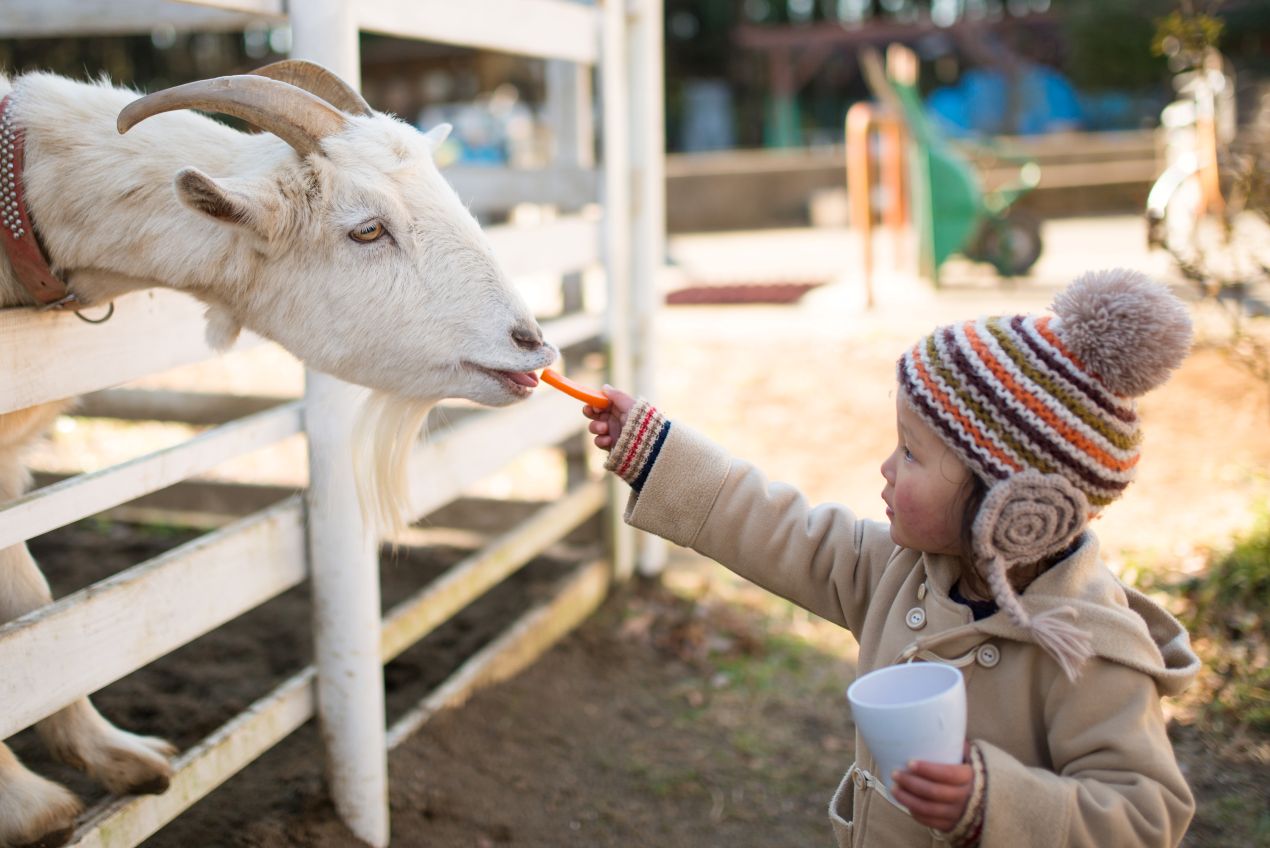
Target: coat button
859,781
916,618
921,592
987,655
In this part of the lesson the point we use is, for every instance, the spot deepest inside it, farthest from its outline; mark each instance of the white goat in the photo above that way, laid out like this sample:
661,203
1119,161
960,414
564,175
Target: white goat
332,233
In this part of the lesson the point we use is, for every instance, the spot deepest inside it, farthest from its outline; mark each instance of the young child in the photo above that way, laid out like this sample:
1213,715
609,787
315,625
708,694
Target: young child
1012,434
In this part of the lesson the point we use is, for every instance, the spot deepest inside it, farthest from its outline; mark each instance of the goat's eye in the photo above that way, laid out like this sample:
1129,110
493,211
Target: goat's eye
370,231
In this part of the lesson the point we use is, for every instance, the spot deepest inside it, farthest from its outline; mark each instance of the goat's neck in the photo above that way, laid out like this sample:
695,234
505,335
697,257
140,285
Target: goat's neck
103,204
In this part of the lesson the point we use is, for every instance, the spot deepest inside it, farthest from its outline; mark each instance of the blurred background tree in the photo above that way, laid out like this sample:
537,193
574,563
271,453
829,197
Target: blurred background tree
1110,44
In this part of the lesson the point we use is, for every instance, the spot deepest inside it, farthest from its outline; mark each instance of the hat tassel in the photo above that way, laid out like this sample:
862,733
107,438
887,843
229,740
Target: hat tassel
1062,639
1052,630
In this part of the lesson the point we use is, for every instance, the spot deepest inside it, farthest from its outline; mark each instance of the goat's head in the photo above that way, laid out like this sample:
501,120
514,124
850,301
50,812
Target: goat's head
357,256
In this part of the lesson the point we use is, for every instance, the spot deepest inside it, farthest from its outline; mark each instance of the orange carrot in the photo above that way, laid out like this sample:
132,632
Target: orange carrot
582,393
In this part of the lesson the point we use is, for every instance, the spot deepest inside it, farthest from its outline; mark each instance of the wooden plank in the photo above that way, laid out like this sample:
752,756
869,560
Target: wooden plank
169,405
84,495
151,331
526,640
648,249
570,114
573,329
614,95
344,583
415,617
1097,173
276,8
544,29
343,550
479,445
124,822
565,244
69,18
191,503
127,821
99,634
488,189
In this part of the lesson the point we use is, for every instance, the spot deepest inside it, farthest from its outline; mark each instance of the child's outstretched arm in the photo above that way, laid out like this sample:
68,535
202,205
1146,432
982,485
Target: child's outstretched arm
689,490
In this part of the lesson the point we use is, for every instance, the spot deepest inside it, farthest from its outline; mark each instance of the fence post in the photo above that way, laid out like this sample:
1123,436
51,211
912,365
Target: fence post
568,109
343,555
648,249
615,93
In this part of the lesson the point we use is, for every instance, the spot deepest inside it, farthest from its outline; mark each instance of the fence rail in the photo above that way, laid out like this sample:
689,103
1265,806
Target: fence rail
543,29
97,635
108,630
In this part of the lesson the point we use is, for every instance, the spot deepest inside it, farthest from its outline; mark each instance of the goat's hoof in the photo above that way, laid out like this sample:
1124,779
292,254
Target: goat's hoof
35,812
155,786
128,764
51,840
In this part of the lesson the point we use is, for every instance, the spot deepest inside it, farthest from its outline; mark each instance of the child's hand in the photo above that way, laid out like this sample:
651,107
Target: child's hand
606,424
935,793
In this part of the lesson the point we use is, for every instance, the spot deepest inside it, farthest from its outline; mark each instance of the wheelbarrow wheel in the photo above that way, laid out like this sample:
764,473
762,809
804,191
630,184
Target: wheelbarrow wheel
1012,244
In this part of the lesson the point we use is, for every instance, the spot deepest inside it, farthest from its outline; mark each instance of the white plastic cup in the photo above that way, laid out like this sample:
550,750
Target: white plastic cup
915,711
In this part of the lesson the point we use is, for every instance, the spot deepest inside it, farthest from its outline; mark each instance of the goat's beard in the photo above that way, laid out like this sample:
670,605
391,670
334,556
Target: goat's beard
384,436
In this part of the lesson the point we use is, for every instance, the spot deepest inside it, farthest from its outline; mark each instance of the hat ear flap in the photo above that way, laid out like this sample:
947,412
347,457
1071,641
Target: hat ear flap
1028,517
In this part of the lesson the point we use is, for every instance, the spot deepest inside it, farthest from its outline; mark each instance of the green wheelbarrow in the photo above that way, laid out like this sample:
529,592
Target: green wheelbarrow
951,211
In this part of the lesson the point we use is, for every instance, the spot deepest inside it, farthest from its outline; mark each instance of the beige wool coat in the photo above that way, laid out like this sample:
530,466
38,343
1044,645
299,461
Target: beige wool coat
1067,764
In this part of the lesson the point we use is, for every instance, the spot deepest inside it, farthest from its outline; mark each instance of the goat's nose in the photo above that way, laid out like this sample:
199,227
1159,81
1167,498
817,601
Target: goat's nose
527,336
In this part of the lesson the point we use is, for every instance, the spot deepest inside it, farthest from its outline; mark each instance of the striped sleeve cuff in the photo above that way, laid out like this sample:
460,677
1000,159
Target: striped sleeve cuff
637,447
966,833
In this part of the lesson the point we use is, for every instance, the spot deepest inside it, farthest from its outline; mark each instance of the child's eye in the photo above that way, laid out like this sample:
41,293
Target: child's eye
908,454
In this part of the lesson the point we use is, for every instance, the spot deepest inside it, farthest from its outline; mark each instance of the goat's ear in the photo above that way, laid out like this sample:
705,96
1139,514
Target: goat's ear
436,136
217,200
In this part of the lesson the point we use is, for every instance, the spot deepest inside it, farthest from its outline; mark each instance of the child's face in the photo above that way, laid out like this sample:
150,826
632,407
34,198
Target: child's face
926,487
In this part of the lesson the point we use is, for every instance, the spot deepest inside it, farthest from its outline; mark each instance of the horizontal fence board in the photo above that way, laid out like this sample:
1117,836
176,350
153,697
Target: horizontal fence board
544,29
151,331
171,405
67,18
78,497
124,822
490,189
253,7
522,643
573,329
203,503
99,634
412,619
566,244
443,466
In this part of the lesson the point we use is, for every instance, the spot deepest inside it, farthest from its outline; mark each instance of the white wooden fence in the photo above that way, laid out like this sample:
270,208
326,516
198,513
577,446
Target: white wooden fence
201,585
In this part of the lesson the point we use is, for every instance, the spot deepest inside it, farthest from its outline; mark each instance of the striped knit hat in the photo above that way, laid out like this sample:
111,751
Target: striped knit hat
1041,409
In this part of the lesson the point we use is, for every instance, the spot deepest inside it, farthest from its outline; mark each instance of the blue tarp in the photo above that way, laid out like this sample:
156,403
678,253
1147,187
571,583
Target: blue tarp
978,104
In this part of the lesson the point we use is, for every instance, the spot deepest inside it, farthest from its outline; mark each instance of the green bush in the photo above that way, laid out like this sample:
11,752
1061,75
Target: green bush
1227,611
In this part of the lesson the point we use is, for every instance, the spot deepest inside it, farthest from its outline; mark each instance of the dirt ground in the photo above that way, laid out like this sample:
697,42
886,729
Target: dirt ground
696,710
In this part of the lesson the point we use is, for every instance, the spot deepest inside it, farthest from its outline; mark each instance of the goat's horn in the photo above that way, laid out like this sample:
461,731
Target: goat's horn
318,80
294,115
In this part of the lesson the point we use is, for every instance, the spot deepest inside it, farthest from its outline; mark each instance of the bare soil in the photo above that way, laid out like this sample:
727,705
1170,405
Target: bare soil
692,710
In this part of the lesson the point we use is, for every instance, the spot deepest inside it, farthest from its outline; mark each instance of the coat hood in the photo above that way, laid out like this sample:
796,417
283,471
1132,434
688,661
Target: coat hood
1125,626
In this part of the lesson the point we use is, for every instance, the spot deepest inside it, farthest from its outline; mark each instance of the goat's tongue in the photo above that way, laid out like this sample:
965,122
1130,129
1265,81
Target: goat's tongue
524,378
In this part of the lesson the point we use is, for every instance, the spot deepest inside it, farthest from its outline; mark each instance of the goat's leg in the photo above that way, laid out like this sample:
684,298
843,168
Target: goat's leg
78,734
33,811
123,762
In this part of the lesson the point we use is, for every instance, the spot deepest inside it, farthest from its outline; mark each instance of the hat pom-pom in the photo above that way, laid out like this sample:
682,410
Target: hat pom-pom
1128,330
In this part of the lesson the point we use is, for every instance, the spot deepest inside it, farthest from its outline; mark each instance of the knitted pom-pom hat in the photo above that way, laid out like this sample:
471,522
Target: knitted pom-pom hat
1041,409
